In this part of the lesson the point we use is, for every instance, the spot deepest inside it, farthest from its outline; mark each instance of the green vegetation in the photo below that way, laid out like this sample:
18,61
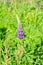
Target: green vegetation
26,51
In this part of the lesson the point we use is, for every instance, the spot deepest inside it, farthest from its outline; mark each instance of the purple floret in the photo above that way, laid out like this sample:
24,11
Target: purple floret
20,34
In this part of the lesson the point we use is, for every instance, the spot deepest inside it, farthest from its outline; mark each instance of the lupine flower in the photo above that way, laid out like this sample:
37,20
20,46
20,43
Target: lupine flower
20,32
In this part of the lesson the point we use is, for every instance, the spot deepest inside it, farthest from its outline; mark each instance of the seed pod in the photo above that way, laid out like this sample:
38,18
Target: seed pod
20,33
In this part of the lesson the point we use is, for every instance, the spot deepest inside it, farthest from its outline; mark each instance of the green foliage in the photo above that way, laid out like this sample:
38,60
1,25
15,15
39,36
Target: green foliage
26,51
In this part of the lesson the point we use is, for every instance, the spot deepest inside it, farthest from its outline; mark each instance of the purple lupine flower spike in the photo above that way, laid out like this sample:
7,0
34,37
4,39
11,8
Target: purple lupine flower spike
20,33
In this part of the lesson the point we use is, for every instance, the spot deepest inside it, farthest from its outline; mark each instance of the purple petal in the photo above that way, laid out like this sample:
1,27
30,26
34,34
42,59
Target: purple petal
20,34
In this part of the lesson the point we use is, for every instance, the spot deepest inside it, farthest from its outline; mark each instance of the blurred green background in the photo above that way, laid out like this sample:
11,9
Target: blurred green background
26,51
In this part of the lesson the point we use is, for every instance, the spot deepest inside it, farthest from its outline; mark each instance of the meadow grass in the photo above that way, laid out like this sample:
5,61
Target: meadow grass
26,51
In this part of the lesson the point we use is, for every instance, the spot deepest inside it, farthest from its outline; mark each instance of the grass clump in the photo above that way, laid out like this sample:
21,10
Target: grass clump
26,51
